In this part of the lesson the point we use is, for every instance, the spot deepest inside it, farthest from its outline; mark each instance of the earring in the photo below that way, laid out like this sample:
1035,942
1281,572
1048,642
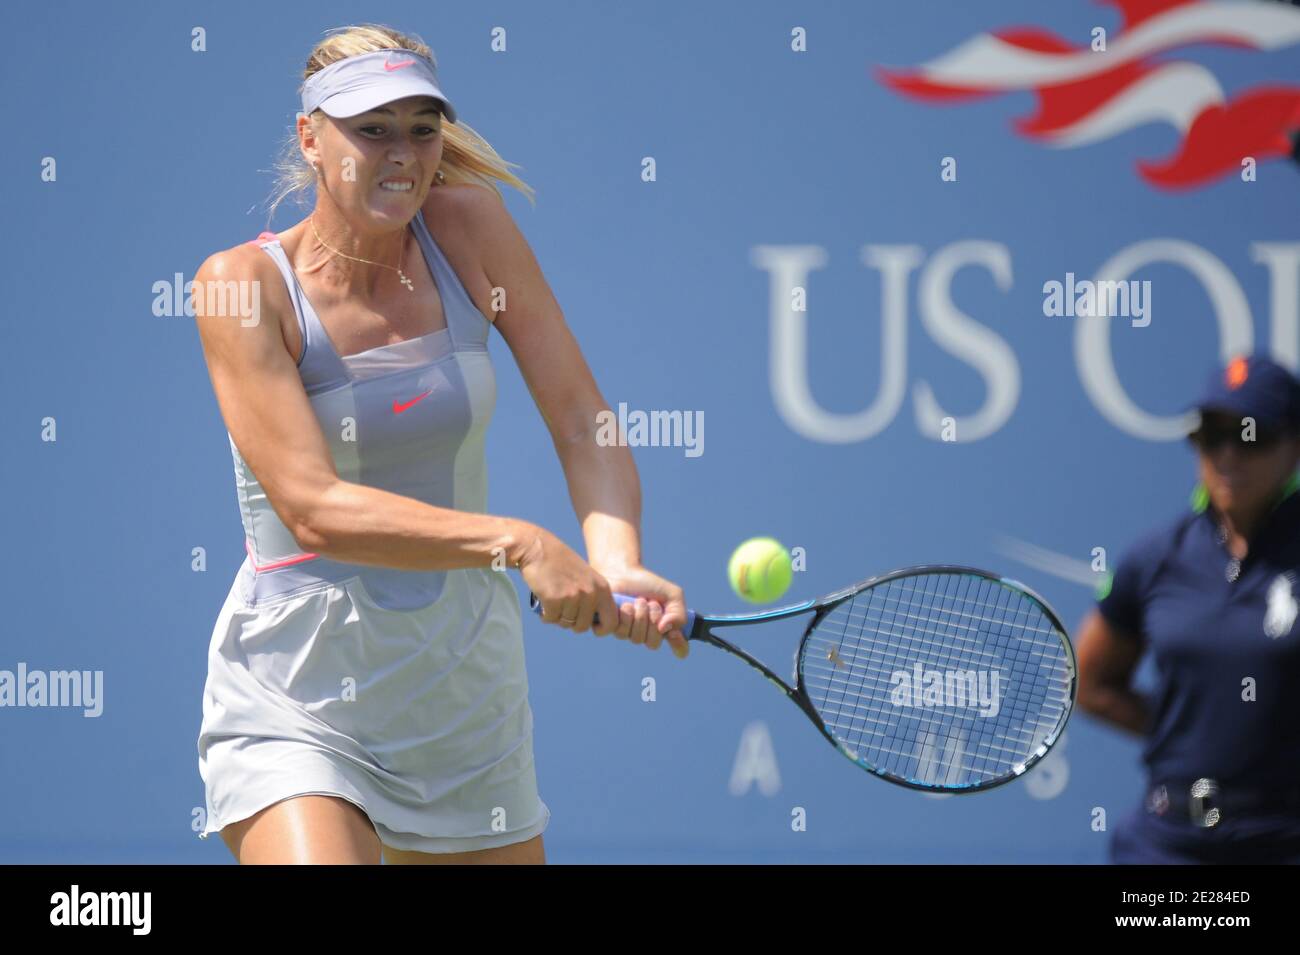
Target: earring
440,177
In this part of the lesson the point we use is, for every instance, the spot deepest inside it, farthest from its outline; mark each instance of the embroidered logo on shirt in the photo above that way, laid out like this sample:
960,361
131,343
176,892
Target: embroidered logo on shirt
1282,608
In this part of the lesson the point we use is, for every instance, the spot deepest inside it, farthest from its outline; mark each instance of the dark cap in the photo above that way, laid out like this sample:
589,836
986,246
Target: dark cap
1256,387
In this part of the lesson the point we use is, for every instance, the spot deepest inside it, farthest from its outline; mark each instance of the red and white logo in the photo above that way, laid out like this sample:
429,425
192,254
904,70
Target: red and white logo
1086,95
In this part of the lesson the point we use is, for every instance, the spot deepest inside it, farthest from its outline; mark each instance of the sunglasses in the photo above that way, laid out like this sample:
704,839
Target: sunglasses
1213,437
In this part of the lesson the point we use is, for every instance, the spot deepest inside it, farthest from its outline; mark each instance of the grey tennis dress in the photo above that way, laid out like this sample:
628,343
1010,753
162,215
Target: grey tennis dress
401,691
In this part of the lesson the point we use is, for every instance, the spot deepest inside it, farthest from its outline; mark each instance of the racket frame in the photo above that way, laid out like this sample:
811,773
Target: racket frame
703,625
699,628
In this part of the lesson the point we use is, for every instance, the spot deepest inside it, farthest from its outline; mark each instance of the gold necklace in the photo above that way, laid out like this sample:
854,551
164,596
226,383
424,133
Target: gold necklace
405,281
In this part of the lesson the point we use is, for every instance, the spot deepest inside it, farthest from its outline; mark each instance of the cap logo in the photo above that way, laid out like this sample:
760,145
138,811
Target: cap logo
1236,374
389,65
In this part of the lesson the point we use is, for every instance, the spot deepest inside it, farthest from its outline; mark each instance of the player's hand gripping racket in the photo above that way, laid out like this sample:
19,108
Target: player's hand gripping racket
940,678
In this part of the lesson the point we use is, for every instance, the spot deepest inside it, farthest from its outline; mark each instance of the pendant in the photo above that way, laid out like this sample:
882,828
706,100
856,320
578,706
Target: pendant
406,281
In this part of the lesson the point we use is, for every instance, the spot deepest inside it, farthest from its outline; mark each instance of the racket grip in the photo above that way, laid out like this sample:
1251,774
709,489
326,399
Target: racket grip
535,604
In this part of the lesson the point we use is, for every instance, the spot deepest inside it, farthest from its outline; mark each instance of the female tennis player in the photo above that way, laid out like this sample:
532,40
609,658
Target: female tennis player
1213,597
366,696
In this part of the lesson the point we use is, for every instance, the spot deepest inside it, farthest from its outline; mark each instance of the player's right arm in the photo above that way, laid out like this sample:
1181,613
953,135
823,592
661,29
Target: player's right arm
272,422
1107,657
258,388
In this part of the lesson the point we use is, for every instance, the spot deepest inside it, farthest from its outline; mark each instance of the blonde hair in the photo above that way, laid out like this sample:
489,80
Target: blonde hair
466,156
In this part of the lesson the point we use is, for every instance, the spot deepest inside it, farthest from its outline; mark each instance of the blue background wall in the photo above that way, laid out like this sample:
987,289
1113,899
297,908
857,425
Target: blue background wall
161,157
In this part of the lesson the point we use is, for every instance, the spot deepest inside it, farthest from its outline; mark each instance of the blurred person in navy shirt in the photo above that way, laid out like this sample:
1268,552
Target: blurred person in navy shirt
1212,596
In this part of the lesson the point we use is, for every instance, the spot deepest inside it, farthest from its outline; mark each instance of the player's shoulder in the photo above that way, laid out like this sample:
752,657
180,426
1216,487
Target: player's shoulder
243,261
229,281
472,226
468,214
468,201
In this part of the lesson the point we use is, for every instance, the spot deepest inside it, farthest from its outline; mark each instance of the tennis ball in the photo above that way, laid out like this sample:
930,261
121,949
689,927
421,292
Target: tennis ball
759,570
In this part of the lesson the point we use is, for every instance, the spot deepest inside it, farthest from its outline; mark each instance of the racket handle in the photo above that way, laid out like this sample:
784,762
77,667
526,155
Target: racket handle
535,603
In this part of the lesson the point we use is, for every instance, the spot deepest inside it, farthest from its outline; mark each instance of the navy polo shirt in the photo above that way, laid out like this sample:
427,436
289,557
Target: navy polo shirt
1211,624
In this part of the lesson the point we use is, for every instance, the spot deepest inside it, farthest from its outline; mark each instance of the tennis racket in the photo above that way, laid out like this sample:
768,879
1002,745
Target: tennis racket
940,678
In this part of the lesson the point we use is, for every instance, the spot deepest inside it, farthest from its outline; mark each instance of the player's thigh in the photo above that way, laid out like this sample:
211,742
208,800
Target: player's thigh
312,829
528,852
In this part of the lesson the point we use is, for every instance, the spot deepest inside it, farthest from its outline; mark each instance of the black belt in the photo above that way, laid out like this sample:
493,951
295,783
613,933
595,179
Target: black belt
1206,802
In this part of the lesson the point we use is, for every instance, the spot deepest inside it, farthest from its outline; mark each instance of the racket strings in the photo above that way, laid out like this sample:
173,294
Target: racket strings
944,679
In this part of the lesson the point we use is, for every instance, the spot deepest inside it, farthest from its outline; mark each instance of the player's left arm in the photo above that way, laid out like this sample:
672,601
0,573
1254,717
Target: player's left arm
603,482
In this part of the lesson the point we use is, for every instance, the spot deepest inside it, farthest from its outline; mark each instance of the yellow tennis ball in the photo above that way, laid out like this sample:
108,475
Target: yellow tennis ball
759,570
